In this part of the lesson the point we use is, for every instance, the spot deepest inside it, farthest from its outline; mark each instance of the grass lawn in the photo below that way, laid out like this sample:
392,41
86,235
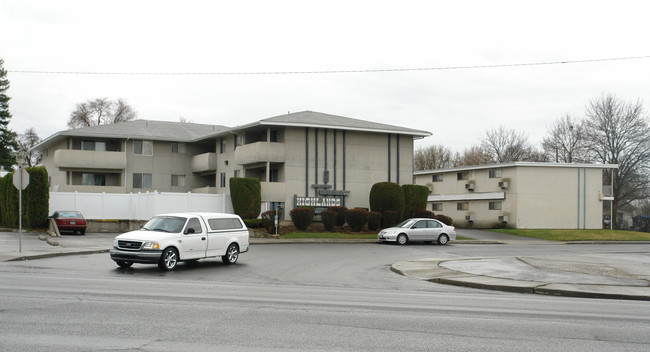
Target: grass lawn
579,235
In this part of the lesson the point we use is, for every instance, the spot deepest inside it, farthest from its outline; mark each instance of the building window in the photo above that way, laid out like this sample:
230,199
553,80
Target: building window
142,181
436,178
274,175
178,180
436,207
222,180
495,173
494,206
93,180
222,147
273,136
462,176
93,145
178,148
142,147
462,206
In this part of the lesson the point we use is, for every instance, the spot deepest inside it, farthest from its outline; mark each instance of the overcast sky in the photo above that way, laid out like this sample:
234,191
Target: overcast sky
456,105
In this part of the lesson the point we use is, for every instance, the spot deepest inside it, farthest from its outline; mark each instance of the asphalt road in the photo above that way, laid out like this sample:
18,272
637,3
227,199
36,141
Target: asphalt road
315,297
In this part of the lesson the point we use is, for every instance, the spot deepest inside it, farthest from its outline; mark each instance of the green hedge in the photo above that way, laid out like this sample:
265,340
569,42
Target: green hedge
415,198
246,195
36,200
387,196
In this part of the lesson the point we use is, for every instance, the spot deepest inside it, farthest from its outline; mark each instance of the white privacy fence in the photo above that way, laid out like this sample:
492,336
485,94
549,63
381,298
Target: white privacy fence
137,206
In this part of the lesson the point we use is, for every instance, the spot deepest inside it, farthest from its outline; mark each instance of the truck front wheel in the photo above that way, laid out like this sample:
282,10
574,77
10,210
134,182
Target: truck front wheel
168,260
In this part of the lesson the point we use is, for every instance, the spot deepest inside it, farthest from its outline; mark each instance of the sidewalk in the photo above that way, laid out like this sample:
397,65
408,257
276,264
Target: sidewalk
617,276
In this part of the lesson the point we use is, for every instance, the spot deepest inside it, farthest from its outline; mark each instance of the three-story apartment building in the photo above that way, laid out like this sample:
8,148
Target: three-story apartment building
305,158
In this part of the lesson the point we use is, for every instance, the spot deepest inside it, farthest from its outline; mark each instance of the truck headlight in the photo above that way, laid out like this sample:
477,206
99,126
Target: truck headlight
115,243
151,245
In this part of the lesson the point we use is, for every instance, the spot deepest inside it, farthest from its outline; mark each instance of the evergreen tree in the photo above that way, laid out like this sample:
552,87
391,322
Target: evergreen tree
7,136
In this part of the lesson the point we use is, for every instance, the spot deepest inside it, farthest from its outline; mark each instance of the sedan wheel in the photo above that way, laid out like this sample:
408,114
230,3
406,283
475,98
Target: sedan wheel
443,239
168,260
402,239
231,254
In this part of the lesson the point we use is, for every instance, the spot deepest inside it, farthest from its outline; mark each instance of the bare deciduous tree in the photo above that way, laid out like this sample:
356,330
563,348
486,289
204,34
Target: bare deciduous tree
565,142
28,140
618,133
472,156
432,157
507,145
101,111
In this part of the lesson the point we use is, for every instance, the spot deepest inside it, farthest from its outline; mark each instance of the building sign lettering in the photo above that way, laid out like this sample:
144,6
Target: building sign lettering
318,202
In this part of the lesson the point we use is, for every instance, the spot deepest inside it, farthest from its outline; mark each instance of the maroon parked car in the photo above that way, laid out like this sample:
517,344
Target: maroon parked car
70,220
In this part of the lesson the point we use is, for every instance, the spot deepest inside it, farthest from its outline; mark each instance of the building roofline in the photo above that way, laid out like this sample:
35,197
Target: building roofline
517,164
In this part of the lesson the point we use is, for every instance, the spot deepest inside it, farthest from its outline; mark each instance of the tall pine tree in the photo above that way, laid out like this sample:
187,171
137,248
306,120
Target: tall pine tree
7,137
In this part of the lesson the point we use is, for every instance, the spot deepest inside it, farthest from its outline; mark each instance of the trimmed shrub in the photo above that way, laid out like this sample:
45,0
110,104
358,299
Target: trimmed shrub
424,214
9,201
444,219
268,220
390,218
356,218
302,217
340,214
374,220
387,196
415,198
329,218
253,223
36,198
246,196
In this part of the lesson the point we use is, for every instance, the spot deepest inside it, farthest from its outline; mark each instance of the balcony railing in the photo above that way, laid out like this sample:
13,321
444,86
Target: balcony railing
204,162
260,152
89,159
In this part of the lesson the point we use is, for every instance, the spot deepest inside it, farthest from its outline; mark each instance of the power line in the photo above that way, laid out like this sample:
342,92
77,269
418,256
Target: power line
442,68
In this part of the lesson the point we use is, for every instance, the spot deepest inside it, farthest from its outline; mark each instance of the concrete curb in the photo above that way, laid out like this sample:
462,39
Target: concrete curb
429,270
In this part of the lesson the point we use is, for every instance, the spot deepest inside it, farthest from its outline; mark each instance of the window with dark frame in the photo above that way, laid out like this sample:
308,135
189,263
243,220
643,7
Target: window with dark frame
494,205
495,173
462,206
461,176
436,178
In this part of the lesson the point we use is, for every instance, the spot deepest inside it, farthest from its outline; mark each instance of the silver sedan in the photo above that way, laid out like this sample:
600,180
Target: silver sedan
418,230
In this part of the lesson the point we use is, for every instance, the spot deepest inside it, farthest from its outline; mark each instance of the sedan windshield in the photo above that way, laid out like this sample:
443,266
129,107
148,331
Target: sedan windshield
172,224
406,223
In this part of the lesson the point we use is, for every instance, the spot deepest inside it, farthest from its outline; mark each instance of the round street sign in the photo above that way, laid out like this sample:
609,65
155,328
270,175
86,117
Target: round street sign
25,177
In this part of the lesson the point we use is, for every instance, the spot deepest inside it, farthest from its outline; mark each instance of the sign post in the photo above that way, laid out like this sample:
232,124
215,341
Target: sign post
21,181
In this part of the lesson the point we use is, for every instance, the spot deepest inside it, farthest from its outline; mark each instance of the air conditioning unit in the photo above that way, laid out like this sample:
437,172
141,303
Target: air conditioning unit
503,218
504,184
430,186
469,186
469,218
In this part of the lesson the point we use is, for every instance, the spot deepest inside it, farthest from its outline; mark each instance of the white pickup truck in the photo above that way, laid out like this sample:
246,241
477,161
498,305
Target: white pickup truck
167,239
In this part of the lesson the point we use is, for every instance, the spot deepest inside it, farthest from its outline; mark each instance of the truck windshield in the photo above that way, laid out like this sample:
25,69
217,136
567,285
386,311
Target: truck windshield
172,224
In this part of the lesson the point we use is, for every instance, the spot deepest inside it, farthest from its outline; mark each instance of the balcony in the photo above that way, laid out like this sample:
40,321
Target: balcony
260,152
273,191
204,163
89,159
